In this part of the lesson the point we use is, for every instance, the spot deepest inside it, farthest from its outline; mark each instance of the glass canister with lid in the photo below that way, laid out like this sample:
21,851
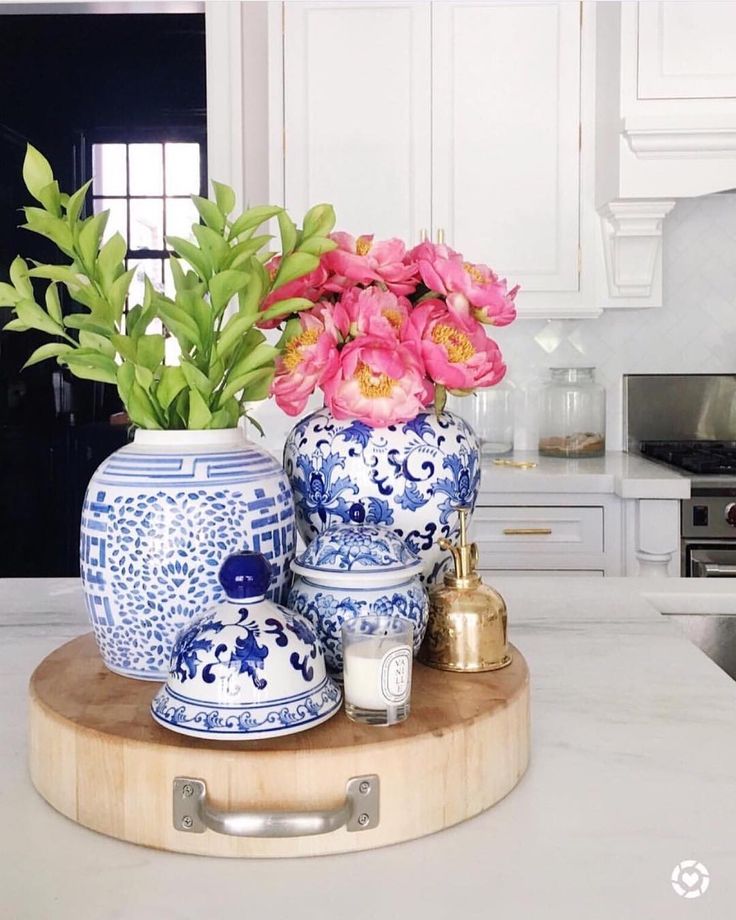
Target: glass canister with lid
572,420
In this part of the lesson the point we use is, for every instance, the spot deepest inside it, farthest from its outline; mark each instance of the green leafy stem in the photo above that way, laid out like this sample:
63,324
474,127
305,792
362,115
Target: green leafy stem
220,281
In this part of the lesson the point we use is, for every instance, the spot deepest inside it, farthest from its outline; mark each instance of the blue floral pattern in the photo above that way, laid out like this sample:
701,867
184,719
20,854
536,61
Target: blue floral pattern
327,609
351,548
409,477
155,529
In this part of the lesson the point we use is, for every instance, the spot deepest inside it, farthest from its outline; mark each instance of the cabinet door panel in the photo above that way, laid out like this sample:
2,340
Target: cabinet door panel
357,111
686,50
506,90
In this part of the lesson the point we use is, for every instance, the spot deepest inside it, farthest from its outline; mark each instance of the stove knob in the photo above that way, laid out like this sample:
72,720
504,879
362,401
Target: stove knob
730,514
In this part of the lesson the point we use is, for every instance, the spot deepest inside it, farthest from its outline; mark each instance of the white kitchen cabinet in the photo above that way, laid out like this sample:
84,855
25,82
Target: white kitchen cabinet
357,114
505,138
685,50
461,120
666,128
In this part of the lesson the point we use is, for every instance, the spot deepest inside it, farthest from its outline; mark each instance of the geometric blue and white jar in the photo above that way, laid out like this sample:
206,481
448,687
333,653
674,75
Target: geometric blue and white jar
159,517
247,669
411,477
353,570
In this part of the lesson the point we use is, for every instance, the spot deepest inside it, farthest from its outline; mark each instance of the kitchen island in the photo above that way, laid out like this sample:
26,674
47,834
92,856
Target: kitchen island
632,771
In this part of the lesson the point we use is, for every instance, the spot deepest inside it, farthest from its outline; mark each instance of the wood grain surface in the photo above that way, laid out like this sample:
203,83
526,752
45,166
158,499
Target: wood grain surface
98,757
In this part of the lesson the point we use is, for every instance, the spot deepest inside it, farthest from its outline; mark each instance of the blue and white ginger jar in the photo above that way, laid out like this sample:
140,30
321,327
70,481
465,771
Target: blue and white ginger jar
247,669
411,477
159,517
352,570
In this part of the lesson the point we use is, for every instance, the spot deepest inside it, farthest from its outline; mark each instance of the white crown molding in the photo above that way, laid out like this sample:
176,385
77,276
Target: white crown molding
632,242
658,142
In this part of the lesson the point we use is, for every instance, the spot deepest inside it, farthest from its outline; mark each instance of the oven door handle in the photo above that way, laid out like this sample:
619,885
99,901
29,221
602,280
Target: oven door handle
703,567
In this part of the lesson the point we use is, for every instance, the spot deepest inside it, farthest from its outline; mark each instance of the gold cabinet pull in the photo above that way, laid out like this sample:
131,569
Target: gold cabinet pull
527,531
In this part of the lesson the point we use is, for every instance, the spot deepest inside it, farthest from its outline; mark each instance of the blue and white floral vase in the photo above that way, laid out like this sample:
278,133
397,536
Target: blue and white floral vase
159,517
411,477
352,570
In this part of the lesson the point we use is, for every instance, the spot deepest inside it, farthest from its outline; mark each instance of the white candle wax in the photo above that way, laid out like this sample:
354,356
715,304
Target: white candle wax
377,673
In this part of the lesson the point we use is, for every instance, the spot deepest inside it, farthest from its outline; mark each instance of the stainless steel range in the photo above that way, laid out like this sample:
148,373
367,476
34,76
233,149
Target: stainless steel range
688,422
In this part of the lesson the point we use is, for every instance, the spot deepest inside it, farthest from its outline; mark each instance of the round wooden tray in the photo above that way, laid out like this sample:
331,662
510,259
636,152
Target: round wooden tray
98,757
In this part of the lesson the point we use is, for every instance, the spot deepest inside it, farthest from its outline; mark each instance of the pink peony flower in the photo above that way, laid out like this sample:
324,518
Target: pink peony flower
456,355
310,286
361,261
309,358
379,381
470,289
371,311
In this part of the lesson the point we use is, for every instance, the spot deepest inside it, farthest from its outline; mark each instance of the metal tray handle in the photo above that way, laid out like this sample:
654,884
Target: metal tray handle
193,814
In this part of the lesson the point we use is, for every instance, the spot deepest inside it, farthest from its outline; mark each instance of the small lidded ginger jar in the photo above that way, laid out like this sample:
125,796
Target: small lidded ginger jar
352,570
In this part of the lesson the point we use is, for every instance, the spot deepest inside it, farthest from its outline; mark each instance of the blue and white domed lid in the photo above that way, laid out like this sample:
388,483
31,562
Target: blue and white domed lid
248,668
372,551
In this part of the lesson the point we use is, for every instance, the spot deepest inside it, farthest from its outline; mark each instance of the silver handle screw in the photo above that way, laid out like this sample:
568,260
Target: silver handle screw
365,787
363,820
187,821
187,791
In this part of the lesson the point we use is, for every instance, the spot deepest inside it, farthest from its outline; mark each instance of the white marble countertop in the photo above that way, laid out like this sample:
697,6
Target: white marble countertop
633,770
617,473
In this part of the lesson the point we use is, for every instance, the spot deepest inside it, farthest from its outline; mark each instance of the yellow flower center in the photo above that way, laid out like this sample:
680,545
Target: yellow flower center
293,353
458,346
475,273
373,385
362,245
393,317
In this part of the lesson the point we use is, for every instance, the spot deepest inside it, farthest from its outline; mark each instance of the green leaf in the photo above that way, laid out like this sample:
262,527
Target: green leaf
212,244
76,201
252,218
245,380
53,304
285,307
88,323
262,354
53,228
224,196
234,329
259,388
19,275
319,220
90,365
249,299
34,317
51,198
150,351
440,398
181,324
111,259
63,273
124,344
144,378
90,236
171,384
199,413
8,295
140,408
52,350
210,213
100,342
287,229
15,325
317,245
119,291
197,308
196,379
224,286
37,173
199,260
241,252
294,266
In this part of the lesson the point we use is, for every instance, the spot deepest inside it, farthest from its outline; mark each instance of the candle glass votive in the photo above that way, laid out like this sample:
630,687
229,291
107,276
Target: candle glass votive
378,655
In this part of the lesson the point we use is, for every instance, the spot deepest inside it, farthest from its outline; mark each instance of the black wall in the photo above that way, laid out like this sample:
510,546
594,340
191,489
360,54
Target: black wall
62,77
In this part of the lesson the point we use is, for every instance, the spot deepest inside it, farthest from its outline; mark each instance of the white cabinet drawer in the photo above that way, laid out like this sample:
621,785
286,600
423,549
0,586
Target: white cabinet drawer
538,530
